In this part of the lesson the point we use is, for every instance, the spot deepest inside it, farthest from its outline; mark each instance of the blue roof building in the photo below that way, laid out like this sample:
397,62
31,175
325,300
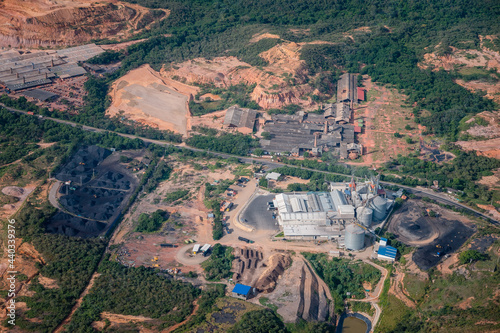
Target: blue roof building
242,291
387,253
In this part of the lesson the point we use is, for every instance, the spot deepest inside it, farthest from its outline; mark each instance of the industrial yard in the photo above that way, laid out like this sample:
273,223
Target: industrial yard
52,79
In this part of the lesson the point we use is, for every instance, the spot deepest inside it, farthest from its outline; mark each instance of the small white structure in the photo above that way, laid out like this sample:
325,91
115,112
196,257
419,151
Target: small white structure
383,242
205,249
196,248
273,176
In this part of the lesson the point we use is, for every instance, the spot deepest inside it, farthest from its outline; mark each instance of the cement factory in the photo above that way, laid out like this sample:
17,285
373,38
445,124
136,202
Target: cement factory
342,215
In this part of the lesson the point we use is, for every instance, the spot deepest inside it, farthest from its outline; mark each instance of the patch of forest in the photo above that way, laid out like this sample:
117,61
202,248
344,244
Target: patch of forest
343,276
134,291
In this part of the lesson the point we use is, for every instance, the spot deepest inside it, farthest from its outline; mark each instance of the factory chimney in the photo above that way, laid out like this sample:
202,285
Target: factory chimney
326,127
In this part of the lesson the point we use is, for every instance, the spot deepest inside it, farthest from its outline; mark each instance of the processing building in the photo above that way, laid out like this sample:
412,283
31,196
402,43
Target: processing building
35,69
342,214
303,132
240,118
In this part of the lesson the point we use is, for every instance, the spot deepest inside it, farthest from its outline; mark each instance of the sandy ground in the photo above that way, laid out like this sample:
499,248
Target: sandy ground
383,116
10,209
143,96
259,36
489,148
273,89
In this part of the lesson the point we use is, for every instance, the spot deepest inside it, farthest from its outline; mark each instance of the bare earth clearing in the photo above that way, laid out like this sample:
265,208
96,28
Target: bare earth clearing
143,96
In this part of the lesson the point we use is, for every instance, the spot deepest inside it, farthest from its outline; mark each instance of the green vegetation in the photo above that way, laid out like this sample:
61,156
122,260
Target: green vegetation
236,94
151,222
218,266
264,301
207,304
159,173
470,256
393,312
362,307
262,321
106,58
236,144
176,195
343,276
134,291
460,174
302,326
70,261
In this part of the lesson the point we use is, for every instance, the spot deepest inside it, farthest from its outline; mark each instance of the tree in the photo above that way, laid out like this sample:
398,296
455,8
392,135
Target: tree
266,135
397,135
471,256
258,151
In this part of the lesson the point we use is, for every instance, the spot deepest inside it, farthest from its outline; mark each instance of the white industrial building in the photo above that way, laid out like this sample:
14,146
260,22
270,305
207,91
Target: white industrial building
343,214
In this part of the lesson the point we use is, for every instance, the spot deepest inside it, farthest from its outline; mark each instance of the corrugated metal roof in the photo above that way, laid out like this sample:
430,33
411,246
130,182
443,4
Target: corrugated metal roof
241,289
387,251
239,117
297,205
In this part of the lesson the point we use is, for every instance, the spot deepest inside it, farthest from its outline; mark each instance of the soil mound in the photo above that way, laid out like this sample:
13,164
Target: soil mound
13,191
277,264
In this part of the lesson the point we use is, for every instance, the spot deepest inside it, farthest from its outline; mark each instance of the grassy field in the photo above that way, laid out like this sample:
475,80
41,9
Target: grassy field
415,286
392,314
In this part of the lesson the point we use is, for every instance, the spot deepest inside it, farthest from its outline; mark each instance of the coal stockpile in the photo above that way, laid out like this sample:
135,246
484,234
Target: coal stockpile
416,230
81,167
94,203
452,236
114,180
69,225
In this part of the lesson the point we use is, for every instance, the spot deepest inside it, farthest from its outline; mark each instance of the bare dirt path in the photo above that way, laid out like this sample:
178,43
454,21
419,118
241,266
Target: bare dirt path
397,289
60,327
172,328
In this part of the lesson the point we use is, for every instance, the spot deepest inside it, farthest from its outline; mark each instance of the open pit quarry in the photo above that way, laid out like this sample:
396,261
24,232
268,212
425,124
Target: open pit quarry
48,23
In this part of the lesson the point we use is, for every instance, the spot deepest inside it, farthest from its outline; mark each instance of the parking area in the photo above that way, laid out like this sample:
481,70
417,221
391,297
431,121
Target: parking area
257,215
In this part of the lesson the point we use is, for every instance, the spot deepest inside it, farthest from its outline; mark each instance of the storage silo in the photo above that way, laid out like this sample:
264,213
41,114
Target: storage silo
364,215
379,206
354,237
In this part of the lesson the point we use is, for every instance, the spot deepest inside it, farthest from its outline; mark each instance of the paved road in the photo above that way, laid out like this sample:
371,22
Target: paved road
443,198
257,215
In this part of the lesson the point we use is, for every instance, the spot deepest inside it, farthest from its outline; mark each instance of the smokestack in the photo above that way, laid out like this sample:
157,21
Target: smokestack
52,62
315,141
32,65
326,127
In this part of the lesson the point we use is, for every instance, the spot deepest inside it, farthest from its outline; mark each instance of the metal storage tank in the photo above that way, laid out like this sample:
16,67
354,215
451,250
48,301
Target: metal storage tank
354,237
379,206
364,215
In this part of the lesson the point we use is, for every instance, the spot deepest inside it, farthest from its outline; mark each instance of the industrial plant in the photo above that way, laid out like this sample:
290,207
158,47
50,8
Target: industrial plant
316,133
344,214
22,71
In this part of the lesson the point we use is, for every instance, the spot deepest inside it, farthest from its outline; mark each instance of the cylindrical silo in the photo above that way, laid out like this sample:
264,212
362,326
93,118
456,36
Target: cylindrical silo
379,206
354,237
364,215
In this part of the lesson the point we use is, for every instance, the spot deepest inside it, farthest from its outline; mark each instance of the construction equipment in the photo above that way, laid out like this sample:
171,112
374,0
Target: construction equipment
156,265
154,259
